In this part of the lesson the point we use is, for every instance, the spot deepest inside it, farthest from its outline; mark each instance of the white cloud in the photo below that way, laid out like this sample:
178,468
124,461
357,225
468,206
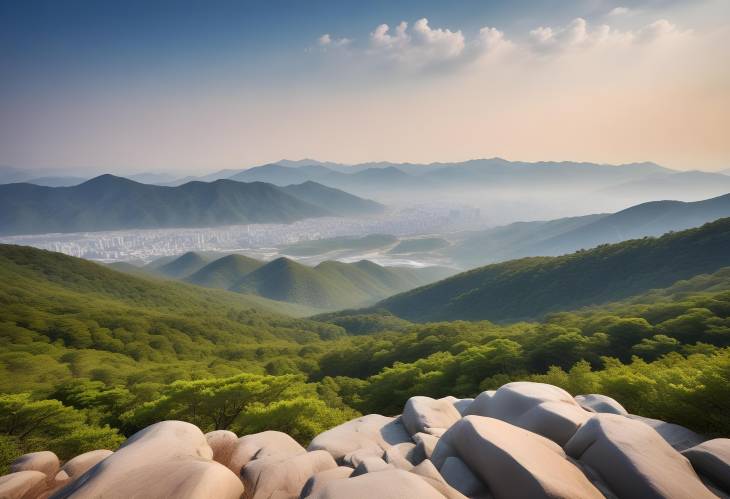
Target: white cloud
420,45
619,11
326,41
579,34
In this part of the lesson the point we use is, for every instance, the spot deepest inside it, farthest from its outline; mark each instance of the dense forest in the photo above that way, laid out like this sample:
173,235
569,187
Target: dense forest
89,355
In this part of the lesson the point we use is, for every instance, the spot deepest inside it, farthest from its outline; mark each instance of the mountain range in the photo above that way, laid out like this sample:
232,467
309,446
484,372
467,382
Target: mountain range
108,203
328,286
529,288
565,235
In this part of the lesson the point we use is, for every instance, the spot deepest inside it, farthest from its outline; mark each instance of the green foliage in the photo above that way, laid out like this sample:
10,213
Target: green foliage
529,288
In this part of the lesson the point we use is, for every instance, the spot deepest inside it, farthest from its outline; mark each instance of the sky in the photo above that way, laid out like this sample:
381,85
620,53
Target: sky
196,86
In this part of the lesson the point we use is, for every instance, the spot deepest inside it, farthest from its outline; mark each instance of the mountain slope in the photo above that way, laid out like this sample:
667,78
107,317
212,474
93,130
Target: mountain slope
330,285
225,272
335,201
531,287
565,235
184,265
108,202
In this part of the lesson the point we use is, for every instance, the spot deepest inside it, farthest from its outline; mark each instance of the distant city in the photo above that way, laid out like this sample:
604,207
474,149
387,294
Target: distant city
260,240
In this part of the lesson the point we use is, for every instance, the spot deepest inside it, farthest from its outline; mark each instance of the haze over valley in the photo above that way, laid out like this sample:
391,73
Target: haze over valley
365,250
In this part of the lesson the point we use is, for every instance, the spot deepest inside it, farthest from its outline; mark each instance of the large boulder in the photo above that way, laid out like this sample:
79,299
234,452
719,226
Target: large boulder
322,478
167,459
222,442
45,461
712,459
478,406
634,460
279,476
389,484
371,434
513,462
595,402
27,484
427,471
80,464
371,465
677,436
540,408
425,444
401,455
458,475
422,414
262,445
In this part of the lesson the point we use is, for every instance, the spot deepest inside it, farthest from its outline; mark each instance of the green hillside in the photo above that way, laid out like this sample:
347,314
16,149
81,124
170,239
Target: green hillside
184,265
332,285
225,272
110,353
565,235
531,287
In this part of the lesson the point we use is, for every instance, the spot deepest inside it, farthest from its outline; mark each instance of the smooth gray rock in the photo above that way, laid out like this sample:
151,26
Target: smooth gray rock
596,402
634,460
284,476
712,459
371,465
462,405
262,445
322,478
389,484
428,472
459,476
74,468
513,462
27,484
370,435
478,407
44,461
222,442
400,455
166,459
423,414
540,408
677,436
425,444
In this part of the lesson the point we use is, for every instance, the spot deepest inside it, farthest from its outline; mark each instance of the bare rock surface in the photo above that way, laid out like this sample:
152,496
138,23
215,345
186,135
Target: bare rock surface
712,459
677,436
525,440
222,442
422,414
322,478
595,402
634,460
457,474
44,461
540,408
167,459
74,468
283,476
513,462
262,445
372,433
389,484
22,484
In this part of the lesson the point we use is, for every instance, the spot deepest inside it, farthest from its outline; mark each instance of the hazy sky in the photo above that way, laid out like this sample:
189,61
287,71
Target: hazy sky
200,85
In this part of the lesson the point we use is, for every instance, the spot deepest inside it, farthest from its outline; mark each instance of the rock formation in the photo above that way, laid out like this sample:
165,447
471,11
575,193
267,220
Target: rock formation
525,440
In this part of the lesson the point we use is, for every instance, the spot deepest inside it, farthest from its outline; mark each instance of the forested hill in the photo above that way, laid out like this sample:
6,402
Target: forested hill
531,287
108,203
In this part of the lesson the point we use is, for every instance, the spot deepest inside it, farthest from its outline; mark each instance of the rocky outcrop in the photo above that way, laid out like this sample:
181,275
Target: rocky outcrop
525,440
634,460
712,460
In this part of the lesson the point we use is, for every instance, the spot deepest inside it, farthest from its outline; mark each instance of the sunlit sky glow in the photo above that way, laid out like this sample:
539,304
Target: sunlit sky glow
199,86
